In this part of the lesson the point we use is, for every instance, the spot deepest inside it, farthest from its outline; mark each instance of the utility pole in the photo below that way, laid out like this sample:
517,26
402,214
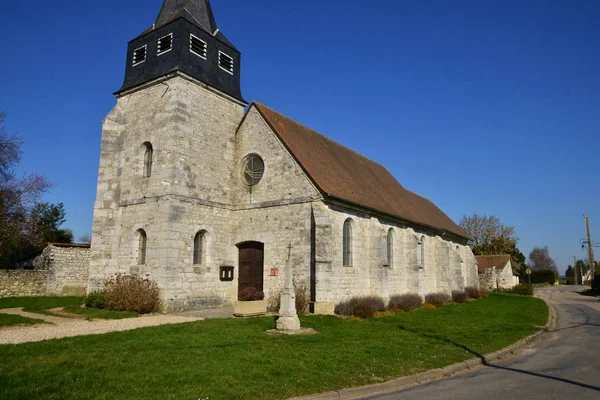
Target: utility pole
575,269
590,247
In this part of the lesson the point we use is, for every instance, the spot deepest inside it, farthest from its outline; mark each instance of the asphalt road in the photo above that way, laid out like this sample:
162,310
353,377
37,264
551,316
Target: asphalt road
565,364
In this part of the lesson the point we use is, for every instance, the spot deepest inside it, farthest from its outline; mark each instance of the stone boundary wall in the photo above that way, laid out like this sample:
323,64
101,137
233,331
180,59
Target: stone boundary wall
70,269
57,270
19,283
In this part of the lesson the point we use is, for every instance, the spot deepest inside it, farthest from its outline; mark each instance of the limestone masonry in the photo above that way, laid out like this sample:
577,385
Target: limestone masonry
57,269
208,199
495,272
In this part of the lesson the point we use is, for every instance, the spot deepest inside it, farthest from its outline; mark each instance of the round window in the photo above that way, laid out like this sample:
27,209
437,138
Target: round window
254,168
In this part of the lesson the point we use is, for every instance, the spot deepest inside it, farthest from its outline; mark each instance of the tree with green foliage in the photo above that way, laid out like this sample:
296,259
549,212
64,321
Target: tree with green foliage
570,275
50,217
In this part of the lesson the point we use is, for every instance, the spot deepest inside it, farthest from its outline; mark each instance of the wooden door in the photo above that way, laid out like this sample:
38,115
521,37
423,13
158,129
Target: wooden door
251,266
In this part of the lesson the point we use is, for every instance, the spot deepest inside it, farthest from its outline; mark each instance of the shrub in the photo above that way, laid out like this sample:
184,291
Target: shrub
96,299
484,292
344,308
543,276
438,299
405,302
361,306
377,302
302,298
132,293
523,289
364,310
250,294
459,297
472,292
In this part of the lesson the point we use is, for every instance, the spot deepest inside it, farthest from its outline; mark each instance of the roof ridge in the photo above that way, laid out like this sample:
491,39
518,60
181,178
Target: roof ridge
320,134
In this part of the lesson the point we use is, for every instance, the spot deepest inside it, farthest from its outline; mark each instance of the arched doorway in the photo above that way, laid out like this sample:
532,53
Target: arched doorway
251,265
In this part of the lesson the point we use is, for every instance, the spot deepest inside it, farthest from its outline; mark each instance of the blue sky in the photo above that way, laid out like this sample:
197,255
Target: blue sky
482,106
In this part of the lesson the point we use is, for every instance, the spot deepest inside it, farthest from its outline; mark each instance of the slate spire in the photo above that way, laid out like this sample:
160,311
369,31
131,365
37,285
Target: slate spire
200,11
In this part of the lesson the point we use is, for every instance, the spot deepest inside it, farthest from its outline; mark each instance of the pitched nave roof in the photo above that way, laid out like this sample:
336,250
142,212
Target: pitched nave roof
343,174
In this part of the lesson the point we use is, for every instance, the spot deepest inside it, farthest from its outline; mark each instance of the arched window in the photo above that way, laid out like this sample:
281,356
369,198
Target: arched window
148,160
200,248
390,248
347,243
142,247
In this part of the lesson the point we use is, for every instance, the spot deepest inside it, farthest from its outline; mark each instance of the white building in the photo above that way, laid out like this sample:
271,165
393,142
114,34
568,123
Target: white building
495,272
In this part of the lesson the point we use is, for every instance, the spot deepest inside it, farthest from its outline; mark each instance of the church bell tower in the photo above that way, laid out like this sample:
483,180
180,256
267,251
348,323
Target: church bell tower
167,158
184,38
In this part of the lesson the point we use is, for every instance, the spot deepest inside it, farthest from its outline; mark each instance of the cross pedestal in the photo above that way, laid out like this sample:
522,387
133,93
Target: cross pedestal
288,316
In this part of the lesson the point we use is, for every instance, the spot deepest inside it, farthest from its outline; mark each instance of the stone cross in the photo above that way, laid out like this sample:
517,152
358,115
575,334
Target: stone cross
288,316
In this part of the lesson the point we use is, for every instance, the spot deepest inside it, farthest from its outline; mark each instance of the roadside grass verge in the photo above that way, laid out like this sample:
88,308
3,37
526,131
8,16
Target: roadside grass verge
97,313
13,320
40,304
235,359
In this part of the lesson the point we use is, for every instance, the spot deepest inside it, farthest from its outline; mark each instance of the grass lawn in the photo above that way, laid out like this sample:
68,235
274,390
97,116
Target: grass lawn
70,304
39,304
235,359
96,313
12,320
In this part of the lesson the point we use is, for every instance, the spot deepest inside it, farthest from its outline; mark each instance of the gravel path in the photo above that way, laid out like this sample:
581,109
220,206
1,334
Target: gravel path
66,327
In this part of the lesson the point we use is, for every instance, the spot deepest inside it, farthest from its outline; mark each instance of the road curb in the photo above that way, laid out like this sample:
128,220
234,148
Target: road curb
434,374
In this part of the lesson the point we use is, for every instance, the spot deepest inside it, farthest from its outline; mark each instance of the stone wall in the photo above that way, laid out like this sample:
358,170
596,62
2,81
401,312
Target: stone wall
69,266
20,283
498,278
422,261
65,268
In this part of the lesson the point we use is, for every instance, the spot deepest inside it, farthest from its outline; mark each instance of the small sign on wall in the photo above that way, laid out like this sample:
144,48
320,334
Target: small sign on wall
274,272
226,273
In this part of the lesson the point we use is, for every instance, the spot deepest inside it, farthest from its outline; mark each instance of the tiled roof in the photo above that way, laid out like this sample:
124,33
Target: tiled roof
68,244
343,174
487,262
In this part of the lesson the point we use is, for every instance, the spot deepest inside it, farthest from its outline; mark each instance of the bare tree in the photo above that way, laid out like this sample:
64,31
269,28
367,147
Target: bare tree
488,235
10,150
18,195
85,239
540,259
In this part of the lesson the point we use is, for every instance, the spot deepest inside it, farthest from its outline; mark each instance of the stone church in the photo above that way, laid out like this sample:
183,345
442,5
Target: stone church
208,195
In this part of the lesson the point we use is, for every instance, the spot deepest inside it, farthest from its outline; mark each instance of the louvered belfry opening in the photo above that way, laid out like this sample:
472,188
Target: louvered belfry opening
226,62
198,46
165,44
139,55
